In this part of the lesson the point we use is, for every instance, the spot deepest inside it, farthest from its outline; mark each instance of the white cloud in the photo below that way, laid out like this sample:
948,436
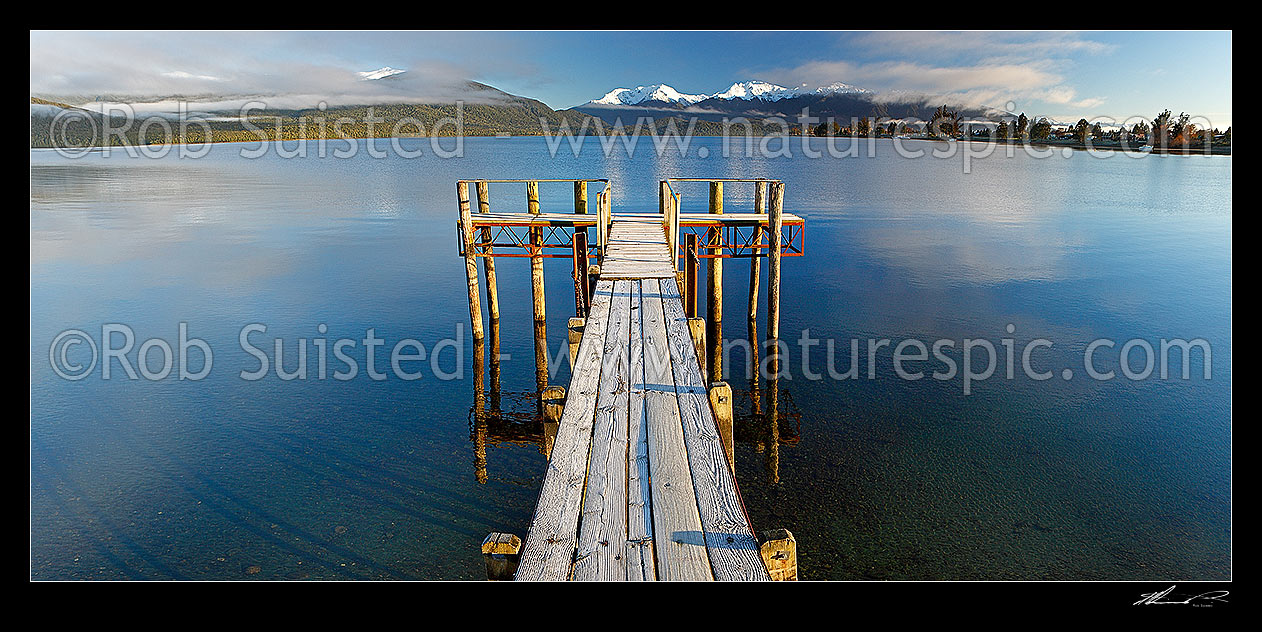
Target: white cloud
300,69
994,45
975,69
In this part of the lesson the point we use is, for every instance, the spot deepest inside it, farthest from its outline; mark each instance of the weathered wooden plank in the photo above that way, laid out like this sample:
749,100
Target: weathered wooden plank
640,566
602,531
550,543
638,274
637,250
729,540
680,543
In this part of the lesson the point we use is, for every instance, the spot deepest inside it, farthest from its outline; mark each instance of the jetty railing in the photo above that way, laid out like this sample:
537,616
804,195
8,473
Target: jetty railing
533,237
720,237
534,234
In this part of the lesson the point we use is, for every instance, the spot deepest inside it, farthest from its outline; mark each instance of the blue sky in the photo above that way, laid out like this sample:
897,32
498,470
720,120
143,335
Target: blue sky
1056,74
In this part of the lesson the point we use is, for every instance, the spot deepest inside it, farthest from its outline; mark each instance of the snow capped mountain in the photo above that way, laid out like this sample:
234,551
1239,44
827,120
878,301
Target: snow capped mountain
655,92
841,88
744,91
748,90
380,73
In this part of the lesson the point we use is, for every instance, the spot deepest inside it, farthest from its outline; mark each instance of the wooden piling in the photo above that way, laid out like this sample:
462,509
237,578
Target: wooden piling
488,262
593,275
755,263
492,295
536,290
576,337
581,280
470,261
502,552
480,429
779,551
580,199
692,272
721,404
773,283
553,400
494,362
755,274
773,329
771,437
714,304
696,327
552,403
580,208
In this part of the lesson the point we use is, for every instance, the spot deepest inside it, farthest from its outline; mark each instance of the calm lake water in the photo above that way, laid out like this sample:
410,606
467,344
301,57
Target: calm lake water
883,478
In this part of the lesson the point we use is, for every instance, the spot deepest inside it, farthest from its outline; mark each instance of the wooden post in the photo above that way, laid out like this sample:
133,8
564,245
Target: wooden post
576,338
714,306
775,222
502,552
771,438
692,270
488,262
537,293
479,415
779,552
603,209
494,362
580,208
721,403
593,275
580,198
664,207
552,401
581,293
672,225
532,197
773,330
755,274
696,327
492,295
470,261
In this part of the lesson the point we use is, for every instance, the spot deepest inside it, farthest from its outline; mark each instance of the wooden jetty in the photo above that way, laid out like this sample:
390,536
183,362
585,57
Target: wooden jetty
640,483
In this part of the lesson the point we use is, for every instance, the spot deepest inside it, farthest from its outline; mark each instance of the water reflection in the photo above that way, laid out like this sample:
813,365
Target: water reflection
521,417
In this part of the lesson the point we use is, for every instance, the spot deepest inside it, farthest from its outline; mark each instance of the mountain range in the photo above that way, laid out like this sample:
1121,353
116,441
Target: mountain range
758,100
660,93
391,97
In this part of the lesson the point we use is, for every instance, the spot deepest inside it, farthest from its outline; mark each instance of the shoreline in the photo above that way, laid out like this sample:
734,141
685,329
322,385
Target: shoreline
1170,151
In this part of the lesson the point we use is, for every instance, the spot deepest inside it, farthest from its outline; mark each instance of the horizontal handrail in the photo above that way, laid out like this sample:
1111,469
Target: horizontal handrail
721,180
670,219
756,181
537,180
484,205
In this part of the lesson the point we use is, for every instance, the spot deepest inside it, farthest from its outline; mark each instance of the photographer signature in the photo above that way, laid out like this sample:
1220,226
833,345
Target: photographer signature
1203,599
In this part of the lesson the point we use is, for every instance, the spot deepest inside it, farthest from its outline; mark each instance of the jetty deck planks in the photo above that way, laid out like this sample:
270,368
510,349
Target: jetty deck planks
638,486
637,250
